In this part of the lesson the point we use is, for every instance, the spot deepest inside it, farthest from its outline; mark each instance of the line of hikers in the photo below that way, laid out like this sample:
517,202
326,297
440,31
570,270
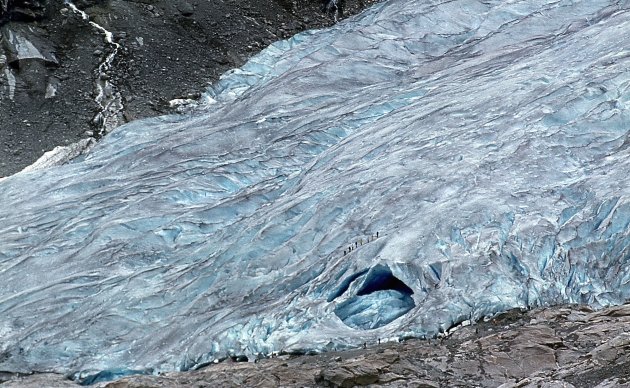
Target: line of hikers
358,243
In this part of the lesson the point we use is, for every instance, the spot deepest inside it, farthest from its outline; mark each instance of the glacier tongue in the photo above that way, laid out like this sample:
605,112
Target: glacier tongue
486,142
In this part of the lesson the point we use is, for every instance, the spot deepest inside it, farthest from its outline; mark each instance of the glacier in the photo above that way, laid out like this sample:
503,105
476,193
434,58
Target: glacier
422,164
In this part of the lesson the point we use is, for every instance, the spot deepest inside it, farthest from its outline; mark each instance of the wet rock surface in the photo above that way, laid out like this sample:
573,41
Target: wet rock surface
168,50
568,346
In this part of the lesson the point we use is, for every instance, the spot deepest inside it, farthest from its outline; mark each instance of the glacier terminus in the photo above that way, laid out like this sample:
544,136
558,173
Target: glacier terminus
425,163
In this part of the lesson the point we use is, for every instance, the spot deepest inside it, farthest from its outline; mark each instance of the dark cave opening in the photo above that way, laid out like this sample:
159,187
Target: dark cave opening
380,299
380,278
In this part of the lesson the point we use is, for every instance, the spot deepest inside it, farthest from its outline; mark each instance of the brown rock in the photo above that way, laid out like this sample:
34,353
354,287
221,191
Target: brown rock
348,377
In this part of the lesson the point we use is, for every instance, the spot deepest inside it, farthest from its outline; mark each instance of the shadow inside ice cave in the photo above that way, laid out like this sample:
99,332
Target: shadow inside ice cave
373,298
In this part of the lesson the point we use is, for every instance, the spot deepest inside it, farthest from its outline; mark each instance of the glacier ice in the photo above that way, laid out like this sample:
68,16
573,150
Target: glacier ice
487,142
380,299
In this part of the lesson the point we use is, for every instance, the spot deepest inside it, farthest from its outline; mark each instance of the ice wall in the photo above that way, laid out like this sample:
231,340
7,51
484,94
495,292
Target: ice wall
486,142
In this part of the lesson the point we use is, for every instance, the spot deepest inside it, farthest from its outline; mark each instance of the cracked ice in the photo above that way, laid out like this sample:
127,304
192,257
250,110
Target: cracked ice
486,141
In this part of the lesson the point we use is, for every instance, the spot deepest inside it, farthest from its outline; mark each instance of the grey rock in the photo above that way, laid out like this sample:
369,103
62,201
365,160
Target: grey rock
39,380
23,10
185,8
89,3
358,374
22,43
537,382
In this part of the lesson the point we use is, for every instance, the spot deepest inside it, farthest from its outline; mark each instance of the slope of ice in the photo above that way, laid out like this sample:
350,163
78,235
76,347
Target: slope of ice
487,142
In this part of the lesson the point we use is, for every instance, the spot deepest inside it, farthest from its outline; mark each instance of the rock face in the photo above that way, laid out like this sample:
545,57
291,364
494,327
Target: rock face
169,50
557,347
46,83
23,10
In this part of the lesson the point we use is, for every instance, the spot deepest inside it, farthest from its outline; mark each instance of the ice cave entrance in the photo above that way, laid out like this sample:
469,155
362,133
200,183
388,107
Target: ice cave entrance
374,299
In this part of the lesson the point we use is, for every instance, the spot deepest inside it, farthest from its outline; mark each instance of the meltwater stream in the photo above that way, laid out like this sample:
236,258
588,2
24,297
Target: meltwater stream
486,142
107,98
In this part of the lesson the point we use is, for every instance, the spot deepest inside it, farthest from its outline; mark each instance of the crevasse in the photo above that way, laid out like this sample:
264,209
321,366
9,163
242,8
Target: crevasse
485,141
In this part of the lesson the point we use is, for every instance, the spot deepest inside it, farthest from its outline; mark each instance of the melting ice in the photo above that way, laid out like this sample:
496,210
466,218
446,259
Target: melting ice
487,142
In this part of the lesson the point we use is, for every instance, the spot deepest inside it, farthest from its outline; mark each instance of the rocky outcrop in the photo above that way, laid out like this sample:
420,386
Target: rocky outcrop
23,43
46,82
23,10
554,347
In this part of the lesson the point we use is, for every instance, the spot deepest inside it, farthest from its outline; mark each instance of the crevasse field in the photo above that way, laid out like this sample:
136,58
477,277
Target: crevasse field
487,142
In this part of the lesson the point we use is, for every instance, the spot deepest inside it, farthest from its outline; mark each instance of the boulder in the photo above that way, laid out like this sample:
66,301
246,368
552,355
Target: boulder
22,42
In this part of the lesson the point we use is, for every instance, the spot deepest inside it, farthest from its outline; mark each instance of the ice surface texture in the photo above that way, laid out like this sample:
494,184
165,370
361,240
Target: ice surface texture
486,141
